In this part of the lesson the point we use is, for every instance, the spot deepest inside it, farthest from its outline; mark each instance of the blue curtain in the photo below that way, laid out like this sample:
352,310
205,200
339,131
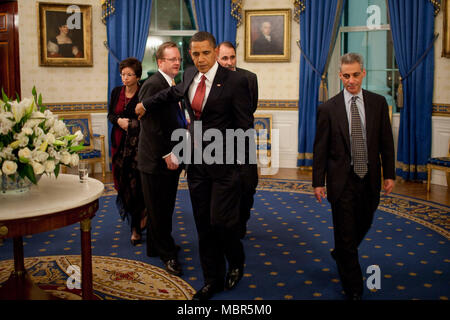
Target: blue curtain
316,37
215,17
127,32
412,25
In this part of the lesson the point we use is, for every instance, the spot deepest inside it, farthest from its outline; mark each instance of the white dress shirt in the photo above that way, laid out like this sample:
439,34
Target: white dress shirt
208,82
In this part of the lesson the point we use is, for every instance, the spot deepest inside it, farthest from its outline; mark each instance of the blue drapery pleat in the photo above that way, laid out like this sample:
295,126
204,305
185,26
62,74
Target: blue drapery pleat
215,17
412,25
127,32
316,34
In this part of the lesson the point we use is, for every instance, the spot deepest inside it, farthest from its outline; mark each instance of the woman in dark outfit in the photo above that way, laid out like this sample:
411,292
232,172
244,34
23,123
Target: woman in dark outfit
124,144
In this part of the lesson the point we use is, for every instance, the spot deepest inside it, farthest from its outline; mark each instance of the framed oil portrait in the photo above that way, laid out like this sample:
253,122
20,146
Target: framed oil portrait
268,35
65,35
446,27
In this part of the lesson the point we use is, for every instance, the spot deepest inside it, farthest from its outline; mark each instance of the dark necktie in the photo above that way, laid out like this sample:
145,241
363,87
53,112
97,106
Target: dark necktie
358,144
197,102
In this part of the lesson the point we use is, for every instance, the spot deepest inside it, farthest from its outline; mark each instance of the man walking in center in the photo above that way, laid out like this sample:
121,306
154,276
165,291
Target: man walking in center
353,141
217,99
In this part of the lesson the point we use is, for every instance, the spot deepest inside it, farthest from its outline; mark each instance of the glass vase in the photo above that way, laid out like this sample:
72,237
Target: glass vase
15,184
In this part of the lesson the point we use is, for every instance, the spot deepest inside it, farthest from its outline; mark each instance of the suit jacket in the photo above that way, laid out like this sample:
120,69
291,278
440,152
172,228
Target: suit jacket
262,46
156,128
332,148
227,105
253,86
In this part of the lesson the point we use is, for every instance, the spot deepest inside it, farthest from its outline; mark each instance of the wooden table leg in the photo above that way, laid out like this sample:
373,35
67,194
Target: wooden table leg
86,259
20,286
19,265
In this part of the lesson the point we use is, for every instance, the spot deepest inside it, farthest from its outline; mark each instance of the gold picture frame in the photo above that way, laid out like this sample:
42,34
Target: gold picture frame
268,35
446,29
64,35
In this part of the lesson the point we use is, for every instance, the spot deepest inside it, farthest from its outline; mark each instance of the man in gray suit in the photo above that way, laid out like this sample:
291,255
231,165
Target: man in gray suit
248,172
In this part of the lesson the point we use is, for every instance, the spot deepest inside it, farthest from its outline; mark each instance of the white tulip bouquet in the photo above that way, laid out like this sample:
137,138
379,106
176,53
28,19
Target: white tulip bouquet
33,141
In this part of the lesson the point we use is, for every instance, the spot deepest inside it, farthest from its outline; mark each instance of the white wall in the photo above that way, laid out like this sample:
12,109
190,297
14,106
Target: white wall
277,81
62,84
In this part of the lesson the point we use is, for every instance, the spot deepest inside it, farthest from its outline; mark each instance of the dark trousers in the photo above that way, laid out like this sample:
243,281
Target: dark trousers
352,217
215,203
160,191
249,182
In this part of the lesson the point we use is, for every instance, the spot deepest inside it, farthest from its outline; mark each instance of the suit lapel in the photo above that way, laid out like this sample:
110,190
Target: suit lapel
187,80
216,88
163,80
343,119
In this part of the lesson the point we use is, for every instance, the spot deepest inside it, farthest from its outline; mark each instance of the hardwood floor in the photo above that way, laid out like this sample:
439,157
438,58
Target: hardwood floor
439,194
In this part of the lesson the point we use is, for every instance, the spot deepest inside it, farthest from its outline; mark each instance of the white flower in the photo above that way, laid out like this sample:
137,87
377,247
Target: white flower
39,156
54,154
38,131
50,138
59,128
6,123
22,138
33,138
31,123
74,160
18,110
37,167
9,167
38,115
49,118
66,158
79,136
7,153
27,131
49,166
25,153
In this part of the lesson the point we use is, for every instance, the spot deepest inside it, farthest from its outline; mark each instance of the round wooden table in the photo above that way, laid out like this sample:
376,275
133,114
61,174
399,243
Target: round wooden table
51,204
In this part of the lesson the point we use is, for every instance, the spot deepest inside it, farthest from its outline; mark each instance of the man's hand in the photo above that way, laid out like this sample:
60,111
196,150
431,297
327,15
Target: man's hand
123,123
319,193
140,110
172,162
388,185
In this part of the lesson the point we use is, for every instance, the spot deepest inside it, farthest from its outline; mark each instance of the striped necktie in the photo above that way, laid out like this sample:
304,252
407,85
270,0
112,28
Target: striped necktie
359,149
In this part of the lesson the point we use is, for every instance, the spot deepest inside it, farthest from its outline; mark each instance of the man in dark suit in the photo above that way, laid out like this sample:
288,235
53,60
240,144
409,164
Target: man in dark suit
159,173
353,141
267,43
249,171
217,99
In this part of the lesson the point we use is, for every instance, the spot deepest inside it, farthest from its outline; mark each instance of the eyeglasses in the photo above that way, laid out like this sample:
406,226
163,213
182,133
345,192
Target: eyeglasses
174,59
129,75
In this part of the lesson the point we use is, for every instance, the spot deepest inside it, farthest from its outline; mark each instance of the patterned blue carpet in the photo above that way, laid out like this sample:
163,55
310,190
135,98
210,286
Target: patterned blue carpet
288,246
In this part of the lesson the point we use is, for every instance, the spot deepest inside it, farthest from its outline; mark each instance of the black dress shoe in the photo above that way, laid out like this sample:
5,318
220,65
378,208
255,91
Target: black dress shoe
173,267
354,297
233,277
333,254
135,242
206,292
